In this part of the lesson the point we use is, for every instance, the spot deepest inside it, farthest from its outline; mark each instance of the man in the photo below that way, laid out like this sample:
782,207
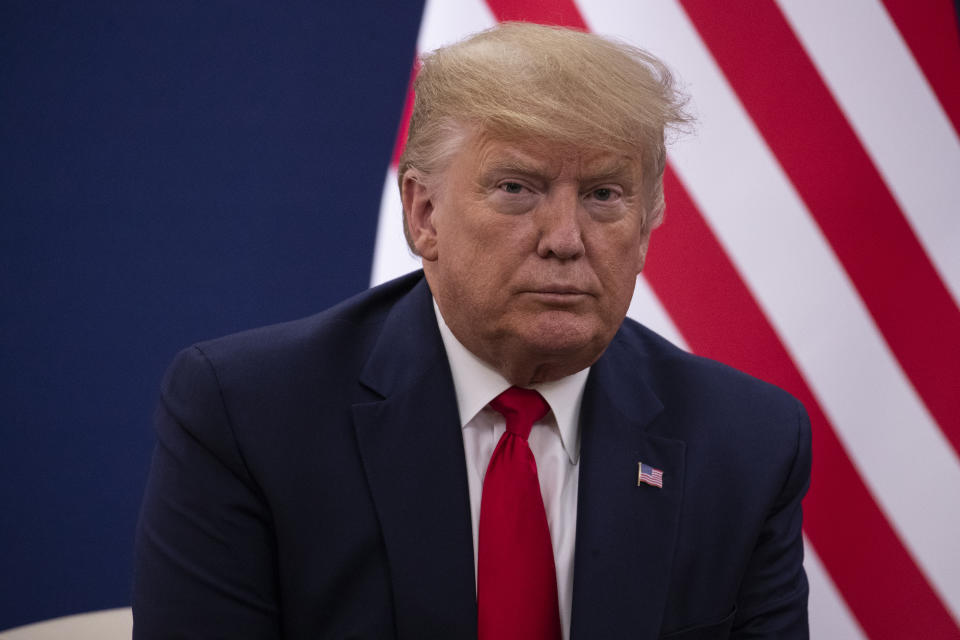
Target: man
311,480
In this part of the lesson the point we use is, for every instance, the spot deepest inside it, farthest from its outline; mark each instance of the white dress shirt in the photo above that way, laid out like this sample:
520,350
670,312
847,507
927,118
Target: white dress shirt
554,440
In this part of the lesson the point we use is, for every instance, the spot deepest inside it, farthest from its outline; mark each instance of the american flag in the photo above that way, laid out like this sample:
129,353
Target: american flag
812,239
649,475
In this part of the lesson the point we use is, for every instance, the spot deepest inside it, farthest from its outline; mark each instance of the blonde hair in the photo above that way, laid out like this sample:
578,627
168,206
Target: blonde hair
551,83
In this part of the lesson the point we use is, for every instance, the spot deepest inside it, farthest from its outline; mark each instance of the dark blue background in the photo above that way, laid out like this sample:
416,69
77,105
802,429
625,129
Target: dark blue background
169,172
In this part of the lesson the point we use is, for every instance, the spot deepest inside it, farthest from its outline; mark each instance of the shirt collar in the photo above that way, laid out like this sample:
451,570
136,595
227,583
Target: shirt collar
476,383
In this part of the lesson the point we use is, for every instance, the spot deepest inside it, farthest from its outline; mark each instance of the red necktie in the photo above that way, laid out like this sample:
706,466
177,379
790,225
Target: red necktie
516,577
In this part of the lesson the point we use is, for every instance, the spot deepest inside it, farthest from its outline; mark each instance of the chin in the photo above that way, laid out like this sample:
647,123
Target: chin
558,337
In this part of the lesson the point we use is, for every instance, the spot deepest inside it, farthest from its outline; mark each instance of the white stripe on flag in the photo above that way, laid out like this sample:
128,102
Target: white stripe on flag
447,22
894,112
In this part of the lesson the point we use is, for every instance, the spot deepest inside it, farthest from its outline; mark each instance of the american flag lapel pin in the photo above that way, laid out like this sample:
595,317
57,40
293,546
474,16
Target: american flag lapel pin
648,475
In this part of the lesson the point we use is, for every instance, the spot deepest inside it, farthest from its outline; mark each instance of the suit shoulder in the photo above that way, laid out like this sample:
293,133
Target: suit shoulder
680,377
334,340
334,328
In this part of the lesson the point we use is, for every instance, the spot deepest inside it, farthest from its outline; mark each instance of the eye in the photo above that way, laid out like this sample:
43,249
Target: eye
511,187
604,194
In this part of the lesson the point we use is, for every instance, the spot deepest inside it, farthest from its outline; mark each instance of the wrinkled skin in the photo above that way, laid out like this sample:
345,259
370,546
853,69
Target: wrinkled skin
531,250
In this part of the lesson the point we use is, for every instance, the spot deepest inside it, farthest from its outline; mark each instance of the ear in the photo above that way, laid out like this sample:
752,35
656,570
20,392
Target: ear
642,251
654,221
418,208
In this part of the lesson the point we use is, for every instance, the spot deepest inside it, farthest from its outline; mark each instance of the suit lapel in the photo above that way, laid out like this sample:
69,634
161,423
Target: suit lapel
412,450
625,533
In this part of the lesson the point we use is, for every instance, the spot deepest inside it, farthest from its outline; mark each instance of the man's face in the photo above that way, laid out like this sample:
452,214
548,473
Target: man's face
532,251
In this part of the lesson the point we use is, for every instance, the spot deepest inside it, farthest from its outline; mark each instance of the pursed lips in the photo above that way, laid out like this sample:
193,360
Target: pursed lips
560,290
557,294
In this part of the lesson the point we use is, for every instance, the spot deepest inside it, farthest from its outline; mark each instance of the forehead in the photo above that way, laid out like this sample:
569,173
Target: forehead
487,153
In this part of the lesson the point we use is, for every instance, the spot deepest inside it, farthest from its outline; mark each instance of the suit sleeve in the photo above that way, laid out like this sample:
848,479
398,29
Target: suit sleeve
205,563
772,602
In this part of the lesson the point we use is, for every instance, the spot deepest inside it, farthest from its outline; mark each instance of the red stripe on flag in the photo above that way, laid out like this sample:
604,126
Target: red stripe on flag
719,318
557,12
805,128
932,31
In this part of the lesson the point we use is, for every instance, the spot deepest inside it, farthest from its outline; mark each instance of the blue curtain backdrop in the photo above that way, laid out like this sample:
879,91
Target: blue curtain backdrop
169,172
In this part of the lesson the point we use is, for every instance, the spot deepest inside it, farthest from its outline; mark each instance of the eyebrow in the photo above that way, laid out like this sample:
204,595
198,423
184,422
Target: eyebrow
593,170
620,166
514,164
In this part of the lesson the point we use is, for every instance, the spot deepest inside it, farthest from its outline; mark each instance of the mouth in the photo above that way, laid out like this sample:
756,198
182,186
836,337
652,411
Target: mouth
558,295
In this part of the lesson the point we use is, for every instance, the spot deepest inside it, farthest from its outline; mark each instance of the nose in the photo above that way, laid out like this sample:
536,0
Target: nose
558,220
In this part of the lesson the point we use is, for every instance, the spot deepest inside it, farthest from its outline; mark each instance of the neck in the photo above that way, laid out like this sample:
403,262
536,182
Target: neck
526,374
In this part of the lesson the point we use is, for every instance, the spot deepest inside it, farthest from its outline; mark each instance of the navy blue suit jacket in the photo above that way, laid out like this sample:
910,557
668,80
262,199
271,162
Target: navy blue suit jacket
309,482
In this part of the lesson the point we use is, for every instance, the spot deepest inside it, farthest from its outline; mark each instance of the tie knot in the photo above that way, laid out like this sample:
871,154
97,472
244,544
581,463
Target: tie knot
521,408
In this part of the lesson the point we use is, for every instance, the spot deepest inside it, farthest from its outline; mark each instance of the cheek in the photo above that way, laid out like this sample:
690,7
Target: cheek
618,254
498,244
473,261
634,251
618,270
